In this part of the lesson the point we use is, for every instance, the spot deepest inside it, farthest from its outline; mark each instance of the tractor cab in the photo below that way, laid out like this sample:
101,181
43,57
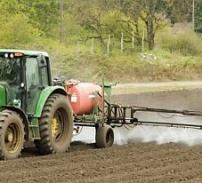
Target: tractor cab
23,74
31,108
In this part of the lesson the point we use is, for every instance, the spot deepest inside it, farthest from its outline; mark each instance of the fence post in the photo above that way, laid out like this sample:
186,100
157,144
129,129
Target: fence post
108,44
92,46
78,48
133,40
122,42
143,41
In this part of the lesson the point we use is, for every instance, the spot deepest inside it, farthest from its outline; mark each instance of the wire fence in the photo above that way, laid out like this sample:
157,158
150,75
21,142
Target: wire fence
111,44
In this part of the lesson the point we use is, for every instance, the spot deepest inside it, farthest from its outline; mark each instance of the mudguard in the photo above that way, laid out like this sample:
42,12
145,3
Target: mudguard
45,93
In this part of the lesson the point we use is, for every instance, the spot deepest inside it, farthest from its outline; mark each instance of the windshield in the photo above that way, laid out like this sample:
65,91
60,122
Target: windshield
10,70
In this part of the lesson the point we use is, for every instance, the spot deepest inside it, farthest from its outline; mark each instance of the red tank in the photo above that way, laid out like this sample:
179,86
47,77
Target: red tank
84,96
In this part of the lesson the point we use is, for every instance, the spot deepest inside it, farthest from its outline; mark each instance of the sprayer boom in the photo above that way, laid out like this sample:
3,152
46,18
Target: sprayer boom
183,112
174,124
118,116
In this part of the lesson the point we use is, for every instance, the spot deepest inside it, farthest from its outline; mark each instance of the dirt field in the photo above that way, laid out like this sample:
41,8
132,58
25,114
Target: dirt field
129,163
137,162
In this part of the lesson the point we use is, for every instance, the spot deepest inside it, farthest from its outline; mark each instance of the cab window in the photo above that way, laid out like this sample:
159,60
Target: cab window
32,73
43,71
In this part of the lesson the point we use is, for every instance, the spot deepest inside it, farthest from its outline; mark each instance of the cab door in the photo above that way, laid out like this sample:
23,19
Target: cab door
33,84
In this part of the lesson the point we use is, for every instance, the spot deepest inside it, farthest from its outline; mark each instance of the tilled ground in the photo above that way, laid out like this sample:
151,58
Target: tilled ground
138,162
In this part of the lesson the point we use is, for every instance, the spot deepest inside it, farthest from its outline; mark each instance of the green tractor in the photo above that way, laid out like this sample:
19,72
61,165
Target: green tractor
31,108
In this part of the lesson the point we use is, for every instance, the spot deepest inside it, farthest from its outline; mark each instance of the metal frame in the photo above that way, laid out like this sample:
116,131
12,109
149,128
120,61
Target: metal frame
118,116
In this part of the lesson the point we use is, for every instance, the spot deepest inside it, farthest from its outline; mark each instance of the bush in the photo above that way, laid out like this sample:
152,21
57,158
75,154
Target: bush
185,42
17,32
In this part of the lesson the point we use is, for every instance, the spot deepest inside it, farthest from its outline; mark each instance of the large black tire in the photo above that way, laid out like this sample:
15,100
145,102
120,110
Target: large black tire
104,136
56,115
11,135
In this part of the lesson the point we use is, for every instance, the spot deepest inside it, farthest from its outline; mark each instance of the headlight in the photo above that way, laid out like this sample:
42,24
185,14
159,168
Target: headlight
6,55
11,55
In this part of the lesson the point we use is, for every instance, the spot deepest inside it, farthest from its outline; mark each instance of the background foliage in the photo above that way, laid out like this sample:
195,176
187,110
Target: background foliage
128,40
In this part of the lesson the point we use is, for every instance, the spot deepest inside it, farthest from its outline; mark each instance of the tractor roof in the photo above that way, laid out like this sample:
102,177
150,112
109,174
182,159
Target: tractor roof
25,52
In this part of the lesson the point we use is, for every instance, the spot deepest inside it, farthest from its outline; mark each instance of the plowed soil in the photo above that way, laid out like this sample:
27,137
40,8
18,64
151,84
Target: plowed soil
140,162
137,162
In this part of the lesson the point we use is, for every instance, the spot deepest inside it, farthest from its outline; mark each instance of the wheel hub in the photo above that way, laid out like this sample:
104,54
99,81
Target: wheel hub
54,127
10,137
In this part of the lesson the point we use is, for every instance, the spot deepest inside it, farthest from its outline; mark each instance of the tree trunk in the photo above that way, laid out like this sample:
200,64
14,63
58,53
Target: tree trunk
150,23
150,32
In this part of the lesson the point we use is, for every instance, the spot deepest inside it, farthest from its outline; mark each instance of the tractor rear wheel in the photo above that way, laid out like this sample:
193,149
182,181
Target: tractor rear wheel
104,136
55,125
11,135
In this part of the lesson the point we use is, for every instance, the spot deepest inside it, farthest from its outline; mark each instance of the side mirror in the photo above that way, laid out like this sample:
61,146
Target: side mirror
42,61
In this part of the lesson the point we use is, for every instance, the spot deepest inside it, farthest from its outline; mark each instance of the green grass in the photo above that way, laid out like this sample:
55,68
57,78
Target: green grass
177,56
129,68
164,66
